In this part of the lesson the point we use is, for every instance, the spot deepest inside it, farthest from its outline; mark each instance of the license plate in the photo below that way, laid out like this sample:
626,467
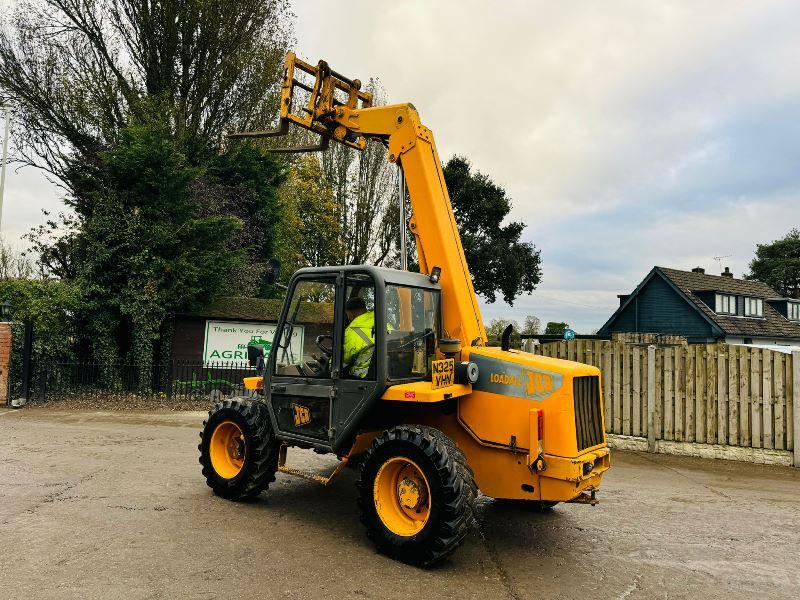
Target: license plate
443,372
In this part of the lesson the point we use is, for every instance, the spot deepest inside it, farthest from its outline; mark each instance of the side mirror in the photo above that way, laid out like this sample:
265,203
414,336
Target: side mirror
255,355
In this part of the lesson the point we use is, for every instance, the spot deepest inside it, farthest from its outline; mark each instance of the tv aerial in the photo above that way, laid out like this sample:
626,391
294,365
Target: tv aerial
719,260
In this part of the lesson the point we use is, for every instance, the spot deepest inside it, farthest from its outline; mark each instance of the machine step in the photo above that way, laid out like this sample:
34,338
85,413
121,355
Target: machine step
303,473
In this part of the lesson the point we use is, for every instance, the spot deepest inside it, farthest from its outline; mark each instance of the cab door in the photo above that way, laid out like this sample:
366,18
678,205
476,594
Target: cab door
355,390
304,359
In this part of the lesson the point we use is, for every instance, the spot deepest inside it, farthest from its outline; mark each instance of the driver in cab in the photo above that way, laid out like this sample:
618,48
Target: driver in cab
359,337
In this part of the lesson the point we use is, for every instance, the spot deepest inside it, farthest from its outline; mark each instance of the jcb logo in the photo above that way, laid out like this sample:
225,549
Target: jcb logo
538,383
302,415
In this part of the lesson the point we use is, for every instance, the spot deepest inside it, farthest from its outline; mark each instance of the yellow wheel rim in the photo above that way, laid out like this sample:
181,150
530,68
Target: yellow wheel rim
402,496
227,449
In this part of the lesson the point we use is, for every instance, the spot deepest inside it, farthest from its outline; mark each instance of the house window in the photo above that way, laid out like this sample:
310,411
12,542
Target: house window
793,310
726,304
753,307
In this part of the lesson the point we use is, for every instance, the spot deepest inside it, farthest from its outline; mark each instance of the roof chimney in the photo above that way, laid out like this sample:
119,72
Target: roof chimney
700,270
727,273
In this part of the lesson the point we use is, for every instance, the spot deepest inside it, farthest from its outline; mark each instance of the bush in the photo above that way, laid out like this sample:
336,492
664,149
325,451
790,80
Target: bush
51,307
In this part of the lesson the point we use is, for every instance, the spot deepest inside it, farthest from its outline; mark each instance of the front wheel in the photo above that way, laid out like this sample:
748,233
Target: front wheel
416,494
238,449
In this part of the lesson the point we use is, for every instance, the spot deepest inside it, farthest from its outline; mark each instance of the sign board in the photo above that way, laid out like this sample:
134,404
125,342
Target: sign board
569,334
226,341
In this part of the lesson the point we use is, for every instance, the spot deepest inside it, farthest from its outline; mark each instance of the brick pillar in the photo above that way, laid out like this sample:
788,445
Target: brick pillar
5,360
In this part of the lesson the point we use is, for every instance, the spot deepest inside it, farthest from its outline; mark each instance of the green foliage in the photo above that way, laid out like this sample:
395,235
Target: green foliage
498,260
243,182
144,251
555,328
311,233
778,264
51,307
126,103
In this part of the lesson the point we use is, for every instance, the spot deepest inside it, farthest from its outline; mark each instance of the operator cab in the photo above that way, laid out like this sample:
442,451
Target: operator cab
319,378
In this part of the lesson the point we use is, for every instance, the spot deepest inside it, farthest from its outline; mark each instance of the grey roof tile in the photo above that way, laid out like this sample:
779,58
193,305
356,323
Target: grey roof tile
772,325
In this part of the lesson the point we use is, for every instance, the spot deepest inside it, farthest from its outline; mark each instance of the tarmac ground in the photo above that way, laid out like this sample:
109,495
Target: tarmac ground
112,505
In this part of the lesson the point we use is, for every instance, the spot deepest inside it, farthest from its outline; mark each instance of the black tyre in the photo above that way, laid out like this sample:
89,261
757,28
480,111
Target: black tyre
238,449
416,494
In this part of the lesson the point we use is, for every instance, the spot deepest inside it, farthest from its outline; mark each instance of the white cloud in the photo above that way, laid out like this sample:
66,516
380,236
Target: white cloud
628,134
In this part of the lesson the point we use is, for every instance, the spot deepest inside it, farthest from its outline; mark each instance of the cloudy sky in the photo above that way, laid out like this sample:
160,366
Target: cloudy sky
628,134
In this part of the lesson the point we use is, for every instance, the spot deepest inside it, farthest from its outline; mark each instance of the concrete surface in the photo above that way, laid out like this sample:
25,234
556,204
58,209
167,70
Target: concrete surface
112,505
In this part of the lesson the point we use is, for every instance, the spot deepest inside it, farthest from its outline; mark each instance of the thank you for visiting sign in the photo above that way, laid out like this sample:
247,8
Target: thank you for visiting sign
226,341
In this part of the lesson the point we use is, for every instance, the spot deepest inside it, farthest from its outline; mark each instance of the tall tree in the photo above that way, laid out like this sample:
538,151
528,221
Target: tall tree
144,252
243,182
125,103
311,232
54,243
79,70
15,264
778,264
364,185
555,328
498,260
532,325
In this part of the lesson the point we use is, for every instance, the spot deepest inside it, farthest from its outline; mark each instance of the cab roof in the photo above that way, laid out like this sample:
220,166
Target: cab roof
380,274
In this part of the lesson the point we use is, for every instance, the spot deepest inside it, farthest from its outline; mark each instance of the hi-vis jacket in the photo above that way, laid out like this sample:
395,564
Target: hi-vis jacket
359,344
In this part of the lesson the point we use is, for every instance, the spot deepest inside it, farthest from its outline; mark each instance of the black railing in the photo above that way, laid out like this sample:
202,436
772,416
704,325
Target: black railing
182,380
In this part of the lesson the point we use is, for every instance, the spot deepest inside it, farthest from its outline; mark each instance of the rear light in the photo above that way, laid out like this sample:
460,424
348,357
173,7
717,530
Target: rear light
541,429
536,453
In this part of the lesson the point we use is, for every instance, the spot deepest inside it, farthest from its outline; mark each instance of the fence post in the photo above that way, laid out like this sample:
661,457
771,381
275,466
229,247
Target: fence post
27,353
796,405
651,398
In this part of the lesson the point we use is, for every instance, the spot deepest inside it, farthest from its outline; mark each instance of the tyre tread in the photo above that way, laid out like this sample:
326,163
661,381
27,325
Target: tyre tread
262,450
458,495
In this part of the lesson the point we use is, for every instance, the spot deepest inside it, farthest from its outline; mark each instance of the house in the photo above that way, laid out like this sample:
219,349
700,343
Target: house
707,308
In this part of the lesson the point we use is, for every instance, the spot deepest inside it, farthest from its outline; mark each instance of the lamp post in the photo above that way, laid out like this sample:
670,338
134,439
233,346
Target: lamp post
6,131
5,311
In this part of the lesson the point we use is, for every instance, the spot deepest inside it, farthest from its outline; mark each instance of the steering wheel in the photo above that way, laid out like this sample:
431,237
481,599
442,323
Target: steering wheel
326,350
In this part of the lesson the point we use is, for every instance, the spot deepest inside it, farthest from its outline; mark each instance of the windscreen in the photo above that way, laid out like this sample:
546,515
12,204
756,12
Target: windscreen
413,321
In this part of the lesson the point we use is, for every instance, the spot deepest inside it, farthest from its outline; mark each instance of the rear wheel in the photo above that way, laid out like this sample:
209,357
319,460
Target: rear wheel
238,449
416,494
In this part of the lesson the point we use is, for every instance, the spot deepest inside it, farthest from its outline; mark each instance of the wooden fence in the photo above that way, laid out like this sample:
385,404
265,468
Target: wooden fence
704,393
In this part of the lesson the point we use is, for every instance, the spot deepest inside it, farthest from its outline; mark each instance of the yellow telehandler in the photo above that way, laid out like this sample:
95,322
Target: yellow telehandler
417,401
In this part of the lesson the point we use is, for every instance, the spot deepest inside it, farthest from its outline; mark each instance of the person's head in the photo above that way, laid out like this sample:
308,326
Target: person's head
354,307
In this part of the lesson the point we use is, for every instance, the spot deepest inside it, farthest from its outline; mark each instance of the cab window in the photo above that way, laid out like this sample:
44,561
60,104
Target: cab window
358,338
305,344
413,320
